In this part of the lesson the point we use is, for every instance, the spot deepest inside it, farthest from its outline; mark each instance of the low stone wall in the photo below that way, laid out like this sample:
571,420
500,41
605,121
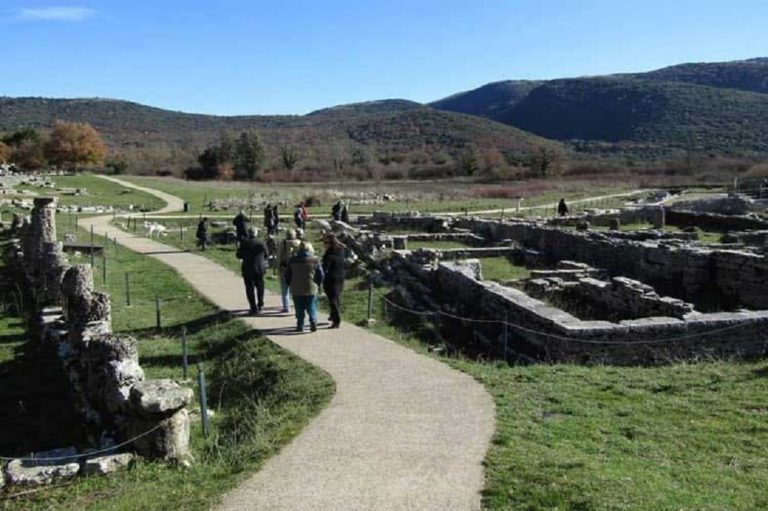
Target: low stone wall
617,299
678,270
548,333
714,221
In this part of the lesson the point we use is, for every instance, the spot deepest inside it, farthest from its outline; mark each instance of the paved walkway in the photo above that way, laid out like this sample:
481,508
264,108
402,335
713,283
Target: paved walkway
403,431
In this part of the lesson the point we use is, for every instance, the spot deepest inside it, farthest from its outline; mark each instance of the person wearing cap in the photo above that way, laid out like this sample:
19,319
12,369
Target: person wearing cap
333,283
253,253
287,249
304,276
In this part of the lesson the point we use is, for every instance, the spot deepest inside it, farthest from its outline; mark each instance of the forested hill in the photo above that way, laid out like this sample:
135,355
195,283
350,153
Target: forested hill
710,107
387,128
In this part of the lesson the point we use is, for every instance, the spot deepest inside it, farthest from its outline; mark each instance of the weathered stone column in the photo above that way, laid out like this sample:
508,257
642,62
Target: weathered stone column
161,403
83,305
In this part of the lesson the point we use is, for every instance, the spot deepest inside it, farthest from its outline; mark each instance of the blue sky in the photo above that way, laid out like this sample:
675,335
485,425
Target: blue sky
291,57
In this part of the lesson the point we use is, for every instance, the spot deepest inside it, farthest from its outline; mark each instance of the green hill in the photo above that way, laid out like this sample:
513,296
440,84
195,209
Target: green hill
154,138
718,108
492,100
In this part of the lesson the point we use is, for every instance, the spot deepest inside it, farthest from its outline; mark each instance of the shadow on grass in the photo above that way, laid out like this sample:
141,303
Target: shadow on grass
38,411
192,327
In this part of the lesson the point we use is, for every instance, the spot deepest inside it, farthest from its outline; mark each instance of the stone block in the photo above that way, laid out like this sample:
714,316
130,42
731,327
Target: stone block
103,465
159,397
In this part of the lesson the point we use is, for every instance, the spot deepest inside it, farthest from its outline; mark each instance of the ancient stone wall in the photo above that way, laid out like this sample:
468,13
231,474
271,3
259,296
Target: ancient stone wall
103,368
549,333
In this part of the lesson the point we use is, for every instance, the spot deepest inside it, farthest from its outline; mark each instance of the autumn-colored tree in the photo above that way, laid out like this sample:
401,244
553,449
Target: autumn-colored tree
547,161
5,152
74,144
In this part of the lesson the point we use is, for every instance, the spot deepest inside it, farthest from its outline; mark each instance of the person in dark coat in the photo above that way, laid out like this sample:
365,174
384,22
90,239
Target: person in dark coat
240,227
203,238
562,208
268,218
333,283
253,253
275,220
344,213
336,211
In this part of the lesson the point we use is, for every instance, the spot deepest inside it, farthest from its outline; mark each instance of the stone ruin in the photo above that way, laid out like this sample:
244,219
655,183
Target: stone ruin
111,393
592,297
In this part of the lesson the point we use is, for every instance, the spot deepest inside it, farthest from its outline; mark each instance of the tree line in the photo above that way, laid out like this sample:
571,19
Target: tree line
70,145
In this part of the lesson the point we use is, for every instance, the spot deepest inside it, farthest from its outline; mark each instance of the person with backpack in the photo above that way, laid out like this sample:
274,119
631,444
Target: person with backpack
285,250
304,276
253,253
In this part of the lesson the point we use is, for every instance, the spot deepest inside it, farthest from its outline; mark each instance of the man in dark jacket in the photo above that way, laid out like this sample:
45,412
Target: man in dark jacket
333,283
203,238
304,275
562,208
240,228
253,253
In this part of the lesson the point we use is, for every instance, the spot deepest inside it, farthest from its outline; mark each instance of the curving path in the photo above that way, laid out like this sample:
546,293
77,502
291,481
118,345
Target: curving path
403,431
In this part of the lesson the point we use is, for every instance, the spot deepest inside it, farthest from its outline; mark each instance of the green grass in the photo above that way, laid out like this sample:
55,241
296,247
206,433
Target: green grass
437,245
100,192
262,395
607,438
682,436
422,196
501,269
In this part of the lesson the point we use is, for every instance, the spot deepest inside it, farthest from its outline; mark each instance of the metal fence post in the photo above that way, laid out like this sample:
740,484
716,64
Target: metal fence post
370,302
184,355
104,266
127,289
158,318
506,335
203,398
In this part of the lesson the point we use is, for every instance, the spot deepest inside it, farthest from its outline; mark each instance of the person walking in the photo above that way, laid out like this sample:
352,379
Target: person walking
562,208
241,231
203,238
334,269
336,211
344,213
304,276
253,253
287,249
275,220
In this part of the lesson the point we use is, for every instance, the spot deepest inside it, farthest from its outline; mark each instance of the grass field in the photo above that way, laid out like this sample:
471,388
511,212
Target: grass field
100,192
422,196
254,416
681,436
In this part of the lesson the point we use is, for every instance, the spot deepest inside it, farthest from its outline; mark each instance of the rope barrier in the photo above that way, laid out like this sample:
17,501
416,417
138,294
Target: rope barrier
84,455
565,338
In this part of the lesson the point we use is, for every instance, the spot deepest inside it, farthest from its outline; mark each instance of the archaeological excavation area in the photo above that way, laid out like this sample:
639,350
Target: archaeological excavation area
680,283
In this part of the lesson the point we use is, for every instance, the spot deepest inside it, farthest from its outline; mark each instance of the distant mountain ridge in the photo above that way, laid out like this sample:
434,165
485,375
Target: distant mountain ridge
716,107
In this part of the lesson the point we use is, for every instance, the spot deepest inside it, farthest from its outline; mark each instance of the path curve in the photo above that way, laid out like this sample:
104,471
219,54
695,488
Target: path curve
402,432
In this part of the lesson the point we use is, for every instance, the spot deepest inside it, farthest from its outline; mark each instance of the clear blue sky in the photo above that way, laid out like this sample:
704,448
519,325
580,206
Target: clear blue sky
291,57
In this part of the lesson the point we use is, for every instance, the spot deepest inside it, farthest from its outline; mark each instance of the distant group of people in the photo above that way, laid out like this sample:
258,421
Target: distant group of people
340,212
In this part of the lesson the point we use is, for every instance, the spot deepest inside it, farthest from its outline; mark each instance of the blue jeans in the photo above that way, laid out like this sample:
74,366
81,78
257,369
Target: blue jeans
308,304
284,290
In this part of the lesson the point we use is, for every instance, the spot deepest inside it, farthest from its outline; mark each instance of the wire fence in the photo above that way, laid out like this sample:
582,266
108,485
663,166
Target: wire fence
85,454
550,335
